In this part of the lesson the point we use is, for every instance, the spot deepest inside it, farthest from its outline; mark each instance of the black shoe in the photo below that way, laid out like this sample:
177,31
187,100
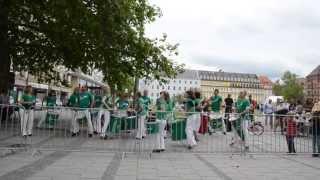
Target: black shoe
190,147
29,135
74,134
315,155
138,138
90,135
224,133
95,132
143,137
246,148
156,151
162,150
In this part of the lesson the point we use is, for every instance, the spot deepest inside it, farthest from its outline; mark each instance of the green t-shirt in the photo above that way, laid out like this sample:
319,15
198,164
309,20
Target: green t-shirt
170,105
73,100
146,101
141,105
51,101
98,101
161,106
216,103
190,107
123,104
28,101
85,99
197,103
242,105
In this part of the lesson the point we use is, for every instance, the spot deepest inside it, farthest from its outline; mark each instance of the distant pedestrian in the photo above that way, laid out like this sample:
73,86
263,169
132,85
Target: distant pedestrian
253,106
141,116
161,116
268,112
190,108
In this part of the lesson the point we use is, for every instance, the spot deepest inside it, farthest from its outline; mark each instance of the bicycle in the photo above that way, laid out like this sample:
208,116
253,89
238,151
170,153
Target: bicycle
254,128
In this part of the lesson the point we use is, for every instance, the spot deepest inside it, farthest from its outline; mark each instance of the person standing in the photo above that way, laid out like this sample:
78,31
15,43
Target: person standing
51,102
27,114
190,109
161,116
281,110
228,110
86,101
216,102
122,105
107,106
147,101
316,130
73,103
170,111
268,112
291,131
253,106
241,125
141,116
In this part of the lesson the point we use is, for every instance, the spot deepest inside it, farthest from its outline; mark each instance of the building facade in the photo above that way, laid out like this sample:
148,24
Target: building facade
233,84
187,80
313,85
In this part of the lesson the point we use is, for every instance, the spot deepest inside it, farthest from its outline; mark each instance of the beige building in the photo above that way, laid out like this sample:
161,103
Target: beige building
233,83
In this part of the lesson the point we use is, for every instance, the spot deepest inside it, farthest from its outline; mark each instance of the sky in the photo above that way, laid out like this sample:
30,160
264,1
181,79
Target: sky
265,37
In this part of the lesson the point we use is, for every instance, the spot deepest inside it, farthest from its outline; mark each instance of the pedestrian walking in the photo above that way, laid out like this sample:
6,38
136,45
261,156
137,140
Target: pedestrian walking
73,103
103,101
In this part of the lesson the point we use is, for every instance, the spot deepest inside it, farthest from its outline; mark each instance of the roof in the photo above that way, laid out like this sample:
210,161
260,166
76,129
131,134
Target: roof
265,80
228,76
189,74
315,72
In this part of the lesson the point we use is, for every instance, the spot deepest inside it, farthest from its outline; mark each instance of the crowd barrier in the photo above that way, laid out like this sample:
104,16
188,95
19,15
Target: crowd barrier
68,129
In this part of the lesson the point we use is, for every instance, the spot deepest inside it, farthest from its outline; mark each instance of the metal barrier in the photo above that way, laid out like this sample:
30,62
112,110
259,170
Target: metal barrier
68,129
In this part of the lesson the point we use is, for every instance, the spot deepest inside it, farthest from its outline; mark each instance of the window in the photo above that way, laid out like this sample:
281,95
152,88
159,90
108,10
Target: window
157,87
168,87
179,81
185,82
195,82
152,94
152,86
190,82
162,87
179,88
185,88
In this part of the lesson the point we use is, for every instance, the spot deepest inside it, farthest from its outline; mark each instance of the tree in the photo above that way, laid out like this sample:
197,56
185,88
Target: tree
290,89
109,36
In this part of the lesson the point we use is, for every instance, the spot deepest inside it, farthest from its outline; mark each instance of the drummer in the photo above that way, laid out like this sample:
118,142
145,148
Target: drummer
216,102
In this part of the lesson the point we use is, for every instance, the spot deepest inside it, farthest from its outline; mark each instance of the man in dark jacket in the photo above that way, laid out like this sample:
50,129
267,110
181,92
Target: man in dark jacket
316,130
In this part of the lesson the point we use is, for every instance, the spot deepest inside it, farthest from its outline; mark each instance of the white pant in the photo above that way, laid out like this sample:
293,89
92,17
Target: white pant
27,117
106,115
43,118
75,124
244,126
190,127
196,122
161,134
141,127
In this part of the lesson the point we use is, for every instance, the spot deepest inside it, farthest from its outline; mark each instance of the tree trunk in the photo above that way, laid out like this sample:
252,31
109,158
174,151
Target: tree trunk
5,75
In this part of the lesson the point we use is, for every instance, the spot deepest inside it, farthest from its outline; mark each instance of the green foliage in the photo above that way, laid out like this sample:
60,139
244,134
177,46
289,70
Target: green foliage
290,89
108,35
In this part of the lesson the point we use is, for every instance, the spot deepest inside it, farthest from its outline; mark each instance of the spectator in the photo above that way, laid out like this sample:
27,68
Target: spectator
291,132
316,130
228,109
268,111
281,110
253,106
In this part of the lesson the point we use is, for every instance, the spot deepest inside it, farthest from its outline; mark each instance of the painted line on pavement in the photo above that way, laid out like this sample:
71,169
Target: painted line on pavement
112,168
213,168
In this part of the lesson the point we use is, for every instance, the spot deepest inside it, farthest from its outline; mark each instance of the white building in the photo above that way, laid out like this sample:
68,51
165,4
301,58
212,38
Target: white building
178,86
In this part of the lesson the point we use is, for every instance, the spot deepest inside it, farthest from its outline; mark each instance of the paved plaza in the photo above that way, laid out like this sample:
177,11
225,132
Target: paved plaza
104,159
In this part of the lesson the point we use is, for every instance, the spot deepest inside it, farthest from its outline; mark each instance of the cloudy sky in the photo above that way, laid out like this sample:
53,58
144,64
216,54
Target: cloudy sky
264,37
